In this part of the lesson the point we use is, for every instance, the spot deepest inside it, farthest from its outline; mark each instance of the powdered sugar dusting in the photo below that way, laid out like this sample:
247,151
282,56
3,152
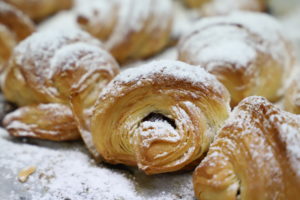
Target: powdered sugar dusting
270,117
43,45
167,68
64,171
235,39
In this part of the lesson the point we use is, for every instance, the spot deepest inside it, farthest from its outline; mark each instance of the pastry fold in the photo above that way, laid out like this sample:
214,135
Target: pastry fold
161,116
14,27
223,7
130,29
40,9
247,52
254,156
47,73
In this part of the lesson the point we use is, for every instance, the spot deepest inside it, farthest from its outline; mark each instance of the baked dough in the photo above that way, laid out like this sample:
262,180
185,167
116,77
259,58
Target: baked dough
248,52
292,95
14,27
39,9
255,156
160,116
47,72
130,29
223,7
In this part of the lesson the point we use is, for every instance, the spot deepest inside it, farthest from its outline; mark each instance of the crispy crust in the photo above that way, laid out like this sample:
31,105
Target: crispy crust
197,106
38,10
14,27
261,68
253,157
66,69
130,29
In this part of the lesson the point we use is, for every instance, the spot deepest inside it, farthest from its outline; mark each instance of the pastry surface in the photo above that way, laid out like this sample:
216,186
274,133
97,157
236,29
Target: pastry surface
55,76
160,116
248,57
39,9
130,29
255,155
14,27
223,7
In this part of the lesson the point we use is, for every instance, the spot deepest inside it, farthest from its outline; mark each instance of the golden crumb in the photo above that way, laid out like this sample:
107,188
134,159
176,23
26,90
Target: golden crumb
25,173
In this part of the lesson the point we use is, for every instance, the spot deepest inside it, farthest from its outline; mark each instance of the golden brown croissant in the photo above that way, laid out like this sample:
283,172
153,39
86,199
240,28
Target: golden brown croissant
256,155
131,29
292,95
222,7
14,27
45,72
39,9
246,51
161,116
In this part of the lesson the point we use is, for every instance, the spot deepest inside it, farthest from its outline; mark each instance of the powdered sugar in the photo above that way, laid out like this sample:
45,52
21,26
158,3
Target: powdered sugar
255,112
167,68
43,45
157,130
64,171
291,136
238,37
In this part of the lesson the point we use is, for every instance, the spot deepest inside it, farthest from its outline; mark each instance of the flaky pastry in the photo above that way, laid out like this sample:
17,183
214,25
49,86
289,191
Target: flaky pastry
39,9
47,73
161,116
130,29
248,53
292,95
223,7
254,156
14,27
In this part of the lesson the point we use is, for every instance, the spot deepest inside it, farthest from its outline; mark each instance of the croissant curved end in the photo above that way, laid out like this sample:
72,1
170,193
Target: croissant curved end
254,156
160,116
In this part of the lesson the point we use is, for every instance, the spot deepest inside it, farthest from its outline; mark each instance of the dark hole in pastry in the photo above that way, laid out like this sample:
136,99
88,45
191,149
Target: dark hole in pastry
238,193
152,117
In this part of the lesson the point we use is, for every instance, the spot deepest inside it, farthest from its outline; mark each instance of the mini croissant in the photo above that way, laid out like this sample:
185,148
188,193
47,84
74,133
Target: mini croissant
222,7
46,72
14,27
247,52
161,116
39,9
130,29
255,156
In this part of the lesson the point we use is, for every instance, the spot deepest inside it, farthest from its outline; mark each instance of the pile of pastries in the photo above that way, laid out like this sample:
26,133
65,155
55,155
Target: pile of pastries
212,110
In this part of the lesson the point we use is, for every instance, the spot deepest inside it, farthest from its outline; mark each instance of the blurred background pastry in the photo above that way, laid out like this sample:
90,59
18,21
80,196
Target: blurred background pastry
248,52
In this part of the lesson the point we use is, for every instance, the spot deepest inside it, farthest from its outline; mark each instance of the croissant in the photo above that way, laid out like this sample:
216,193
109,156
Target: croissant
255,156
39,9
161,116
248,57
46,73
130,29
14,27
292,96
222,7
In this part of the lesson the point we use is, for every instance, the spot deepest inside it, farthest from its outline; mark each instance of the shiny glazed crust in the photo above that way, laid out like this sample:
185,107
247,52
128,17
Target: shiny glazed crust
249,58
38,10
130,29
48,74
161,116
254,156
